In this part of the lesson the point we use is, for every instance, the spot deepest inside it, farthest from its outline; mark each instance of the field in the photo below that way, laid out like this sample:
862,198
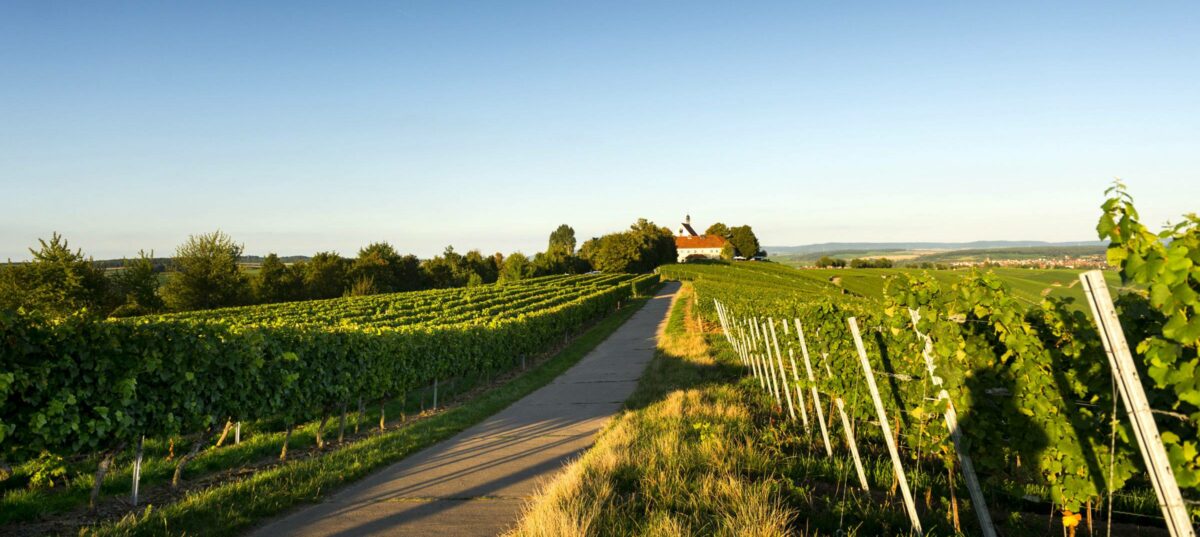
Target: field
743,439
943,256
276,389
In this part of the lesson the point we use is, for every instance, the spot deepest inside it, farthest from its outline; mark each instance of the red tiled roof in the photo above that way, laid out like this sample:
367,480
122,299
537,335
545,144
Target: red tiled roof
703,241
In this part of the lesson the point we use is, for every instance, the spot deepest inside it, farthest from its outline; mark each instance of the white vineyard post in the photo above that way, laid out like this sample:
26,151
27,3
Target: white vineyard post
748,349
762,363
435,394
769,372
909,504
813,386
740,335
771,363
964,458
841,406
237,433
799,389
137,470
1120,360
787,392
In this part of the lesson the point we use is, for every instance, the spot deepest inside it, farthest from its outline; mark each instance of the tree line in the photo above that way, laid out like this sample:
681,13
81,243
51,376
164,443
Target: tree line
834,262
206,272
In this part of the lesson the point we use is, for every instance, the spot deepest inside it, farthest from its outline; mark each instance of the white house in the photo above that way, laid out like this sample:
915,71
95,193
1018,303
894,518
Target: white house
688,243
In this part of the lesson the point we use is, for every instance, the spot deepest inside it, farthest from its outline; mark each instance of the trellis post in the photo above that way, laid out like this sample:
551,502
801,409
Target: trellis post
783,374
841,406
1120,360
909,504
964,458
813,385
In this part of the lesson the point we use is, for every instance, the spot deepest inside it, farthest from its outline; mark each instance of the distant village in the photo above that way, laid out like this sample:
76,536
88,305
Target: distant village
1097,261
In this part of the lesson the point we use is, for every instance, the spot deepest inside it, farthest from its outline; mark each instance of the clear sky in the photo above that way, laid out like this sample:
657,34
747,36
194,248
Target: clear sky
306,126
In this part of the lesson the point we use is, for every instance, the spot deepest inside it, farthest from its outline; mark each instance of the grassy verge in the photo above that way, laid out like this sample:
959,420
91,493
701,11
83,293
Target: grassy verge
239,502
681,460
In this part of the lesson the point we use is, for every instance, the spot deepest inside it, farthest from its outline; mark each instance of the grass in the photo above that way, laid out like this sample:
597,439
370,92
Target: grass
680,460
701,450
239,502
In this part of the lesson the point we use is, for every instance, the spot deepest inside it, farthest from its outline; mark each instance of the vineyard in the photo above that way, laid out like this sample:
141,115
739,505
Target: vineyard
1036,402
81,389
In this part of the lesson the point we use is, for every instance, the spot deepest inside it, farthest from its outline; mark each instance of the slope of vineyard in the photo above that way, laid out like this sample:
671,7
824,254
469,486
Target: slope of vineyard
77,387
1024,368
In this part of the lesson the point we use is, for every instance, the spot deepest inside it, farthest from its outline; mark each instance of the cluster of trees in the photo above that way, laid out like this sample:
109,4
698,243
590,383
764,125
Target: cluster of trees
642,248
881,262
833,262
205,272
741,240
830,262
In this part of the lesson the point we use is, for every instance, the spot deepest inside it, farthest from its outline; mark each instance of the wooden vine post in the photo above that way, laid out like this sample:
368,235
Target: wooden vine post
1120,360
909,504
813,385
964,458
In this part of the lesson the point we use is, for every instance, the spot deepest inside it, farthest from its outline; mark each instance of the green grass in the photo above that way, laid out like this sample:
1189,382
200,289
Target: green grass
1027,285
238,503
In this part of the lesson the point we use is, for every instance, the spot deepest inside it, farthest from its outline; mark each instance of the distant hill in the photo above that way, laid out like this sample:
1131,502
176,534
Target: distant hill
848,247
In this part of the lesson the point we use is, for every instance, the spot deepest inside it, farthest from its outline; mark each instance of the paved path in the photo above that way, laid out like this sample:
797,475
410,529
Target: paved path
476,482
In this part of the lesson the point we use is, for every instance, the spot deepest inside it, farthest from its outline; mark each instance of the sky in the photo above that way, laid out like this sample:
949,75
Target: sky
299,127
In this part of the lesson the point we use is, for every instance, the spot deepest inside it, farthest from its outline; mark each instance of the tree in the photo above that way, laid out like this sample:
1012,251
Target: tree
728,251
656,244
516,268
135,287
617,252
562,240
57,282
326,275
882,262
744,241
376,262
826,261
276,282
482,269
206,274
447,270
718,229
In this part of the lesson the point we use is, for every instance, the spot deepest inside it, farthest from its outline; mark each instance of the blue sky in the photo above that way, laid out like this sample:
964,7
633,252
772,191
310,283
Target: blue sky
299,127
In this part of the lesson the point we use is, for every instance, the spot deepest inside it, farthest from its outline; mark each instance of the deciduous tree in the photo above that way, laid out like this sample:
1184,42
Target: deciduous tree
206,274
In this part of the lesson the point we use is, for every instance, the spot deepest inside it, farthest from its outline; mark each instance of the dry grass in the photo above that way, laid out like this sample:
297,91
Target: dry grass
680,461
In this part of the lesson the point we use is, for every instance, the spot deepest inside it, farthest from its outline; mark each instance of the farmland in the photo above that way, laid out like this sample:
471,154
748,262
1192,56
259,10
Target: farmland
284,376
891,402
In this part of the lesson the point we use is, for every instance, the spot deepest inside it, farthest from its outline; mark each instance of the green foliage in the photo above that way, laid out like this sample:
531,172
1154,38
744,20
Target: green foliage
641,249
390,271
276,282
78,386
728,252
452,269
718,229
744,241
1168,265
830,262
57,282
562,241
206,274
516,267
1030,383
135,286
326,275
881,262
